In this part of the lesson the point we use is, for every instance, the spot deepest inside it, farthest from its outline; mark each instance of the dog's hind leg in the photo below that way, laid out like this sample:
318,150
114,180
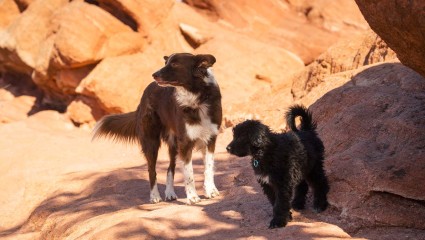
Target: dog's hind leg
318,181
169,189
209,185
298,203
150,142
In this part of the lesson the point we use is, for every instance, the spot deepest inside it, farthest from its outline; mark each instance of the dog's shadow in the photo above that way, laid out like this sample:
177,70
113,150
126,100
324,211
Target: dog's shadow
96,194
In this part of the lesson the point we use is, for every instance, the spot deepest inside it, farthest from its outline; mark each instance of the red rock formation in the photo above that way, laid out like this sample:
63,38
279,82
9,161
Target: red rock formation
373,132
401,24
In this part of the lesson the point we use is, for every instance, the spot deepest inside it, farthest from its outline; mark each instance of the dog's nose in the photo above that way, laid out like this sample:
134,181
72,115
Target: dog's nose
228,148
155,75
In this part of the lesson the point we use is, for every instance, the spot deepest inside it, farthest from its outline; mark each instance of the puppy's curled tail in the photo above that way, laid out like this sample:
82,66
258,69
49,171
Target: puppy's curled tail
307,123
120,127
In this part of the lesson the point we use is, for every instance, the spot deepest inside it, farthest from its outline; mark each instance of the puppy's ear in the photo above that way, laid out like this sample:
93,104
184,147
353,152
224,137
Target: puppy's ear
166,58
260,138
204,60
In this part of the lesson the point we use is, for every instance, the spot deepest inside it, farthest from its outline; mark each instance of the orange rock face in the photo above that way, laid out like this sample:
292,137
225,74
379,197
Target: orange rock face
89,58
405,36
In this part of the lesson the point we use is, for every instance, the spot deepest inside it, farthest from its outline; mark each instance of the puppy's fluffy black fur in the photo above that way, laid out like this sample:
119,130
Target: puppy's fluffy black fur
285,162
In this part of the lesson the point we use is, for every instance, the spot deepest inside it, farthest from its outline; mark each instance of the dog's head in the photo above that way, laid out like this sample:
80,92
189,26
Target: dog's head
248,138
182,68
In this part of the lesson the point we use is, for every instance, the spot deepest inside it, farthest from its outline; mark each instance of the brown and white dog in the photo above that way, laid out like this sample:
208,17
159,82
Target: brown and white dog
182,108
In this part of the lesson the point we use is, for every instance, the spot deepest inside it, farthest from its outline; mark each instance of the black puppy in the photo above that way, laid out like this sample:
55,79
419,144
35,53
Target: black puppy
285,162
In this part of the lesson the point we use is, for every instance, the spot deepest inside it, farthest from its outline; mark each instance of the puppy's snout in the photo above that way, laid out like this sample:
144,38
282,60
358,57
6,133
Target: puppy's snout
228,148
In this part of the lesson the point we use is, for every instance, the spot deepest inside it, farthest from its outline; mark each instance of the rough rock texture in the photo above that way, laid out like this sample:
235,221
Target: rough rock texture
19,49
9,10
68,42
305,28
64,186
57,184
401,24
373,128
330,70
343,56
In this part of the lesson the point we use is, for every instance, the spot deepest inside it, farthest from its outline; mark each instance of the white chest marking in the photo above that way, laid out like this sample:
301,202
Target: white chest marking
205,129
186,98
263,179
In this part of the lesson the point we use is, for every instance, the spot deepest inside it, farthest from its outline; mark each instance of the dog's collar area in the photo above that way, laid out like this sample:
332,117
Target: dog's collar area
255,162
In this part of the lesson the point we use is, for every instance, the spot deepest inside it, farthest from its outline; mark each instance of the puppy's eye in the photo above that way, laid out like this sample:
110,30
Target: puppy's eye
174,65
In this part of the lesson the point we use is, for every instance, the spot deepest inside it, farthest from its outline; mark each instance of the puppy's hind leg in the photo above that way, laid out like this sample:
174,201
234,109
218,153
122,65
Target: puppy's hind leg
281,208
318,181
169,188
298,203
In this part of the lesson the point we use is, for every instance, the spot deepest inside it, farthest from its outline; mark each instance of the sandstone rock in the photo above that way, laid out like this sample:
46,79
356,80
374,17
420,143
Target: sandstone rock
83,110
117,83
334,16
238,66
343,56
9,12
16,109
86,34
141,16
193,36
64,186
275,22
19,48
372,131
332,69
400,24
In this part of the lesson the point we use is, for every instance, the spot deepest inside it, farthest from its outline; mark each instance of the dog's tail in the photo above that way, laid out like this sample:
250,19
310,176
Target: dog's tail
307,123
120,127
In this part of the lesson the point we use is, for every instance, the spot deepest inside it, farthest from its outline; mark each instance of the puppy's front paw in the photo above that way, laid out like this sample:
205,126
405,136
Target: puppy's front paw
277,222
211,191
320,206
298,205
192,200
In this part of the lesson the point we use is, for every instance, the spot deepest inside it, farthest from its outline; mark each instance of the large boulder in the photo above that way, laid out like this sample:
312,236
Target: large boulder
21,41
344,56
372,128
331,69
401,24
288,24
9,11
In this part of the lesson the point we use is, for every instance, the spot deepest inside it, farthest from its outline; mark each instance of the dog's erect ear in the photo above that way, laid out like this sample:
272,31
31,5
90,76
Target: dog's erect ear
166,58
204,60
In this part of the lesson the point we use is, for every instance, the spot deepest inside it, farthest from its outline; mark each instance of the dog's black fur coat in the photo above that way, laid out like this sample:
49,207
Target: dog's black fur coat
285,162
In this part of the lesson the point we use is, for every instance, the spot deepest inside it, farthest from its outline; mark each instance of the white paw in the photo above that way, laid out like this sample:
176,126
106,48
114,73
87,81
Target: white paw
193,199
211,191
155,197
170,195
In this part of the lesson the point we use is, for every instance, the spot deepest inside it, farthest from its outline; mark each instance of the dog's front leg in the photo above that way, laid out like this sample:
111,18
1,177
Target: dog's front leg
281,208
209,186
189,179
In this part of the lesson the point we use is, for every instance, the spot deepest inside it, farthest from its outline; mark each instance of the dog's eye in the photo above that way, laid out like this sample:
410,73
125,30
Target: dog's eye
174,65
